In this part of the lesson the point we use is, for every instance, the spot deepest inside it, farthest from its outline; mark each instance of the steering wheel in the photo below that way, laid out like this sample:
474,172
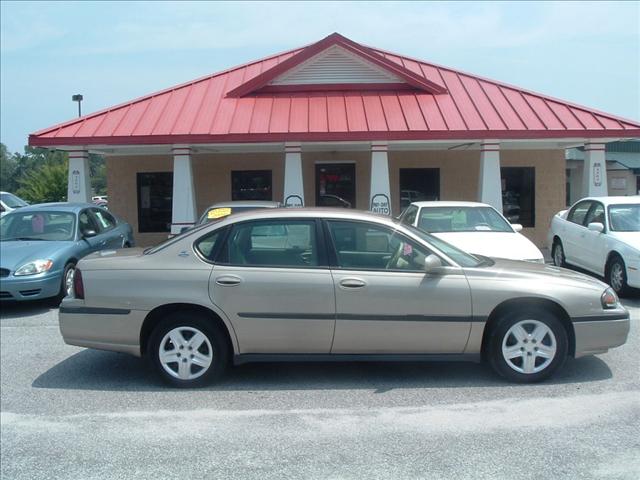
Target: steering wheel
395,257
60,230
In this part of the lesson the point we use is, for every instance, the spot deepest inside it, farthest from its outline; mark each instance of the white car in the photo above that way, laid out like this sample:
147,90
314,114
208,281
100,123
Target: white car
9,202
474,227
601,235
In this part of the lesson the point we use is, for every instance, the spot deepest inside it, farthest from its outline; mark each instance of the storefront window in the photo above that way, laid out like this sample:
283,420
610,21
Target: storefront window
155,196
418,184
336,185
251,185
518,195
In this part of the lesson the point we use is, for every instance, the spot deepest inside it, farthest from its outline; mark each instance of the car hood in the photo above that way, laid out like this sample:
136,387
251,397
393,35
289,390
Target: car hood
630,238
538,271
14,254
509,245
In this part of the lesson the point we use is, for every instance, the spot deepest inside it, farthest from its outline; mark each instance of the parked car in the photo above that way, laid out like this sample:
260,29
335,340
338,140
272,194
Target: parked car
9,202
223,209
473,227
40,246
601,235
332,284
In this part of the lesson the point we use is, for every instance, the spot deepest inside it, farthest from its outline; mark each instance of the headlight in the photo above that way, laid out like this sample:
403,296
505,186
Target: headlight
609,299
31,268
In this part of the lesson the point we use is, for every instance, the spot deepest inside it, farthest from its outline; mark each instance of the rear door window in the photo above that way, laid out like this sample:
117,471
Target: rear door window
276,243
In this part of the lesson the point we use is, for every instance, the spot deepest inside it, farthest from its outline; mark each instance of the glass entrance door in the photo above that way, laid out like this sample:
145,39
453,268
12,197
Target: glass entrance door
418,184
336,185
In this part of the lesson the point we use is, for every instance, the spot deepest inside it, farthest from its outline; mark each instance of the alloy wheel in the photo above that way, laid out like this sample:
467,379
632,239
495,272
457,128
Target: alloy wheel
557,255
185,353
529,346
616,276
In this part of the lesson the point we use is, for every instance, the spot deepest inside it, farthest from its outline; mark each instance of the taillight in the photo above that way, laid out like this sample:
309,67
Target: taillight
78,286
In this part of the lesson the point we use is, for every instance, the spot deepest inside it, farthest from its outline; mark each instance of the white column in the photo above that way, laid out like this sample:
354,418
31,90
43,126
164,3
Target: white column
380,192
79,182
490,181
594,175
184,195
293,185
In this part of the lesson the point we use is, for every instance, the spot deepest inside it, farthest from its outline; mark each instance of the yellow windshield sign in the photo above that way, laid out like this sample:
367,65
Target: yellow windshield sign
218,213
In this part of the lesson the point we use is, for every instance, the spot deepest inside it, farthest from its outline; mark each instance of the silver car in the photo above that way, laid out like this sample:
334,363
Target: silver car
322,285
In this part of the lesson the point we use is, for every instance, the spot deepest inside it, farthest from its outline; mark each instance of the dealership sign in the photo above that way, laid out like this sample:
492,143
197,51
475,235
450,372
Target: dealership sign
293,201
597,174
380,204
75,181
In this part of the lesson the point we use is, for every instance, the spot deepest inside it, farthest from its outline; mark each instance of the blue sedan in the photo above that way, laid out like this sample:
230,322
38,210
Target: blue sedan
41,244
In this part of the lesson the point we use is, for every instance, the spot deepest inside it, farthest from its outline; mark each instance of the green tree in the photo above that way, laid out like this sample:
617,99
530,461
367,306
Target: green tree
46,183
7,170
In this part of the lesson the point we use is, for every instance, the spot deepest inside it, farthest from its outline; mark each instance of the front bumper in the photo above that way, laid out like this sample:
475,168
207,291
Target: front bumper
597,334
30,287
114,329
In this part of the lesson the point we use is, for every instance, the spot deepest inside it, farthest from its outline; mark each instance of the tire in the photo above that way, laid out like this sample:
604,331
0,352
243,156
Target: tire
515,334
557,254
67,275
616,273
190,368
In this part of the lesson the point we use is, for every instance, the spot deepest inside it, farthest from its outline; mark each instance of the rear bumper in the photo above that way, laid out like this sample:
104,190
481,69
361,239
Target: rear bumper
113,329
600,333
31,287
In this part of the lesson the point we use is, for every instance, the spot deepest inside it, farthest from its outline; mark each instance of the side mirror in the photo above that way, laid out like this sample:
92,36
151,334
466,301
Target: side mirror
89,233
596,227
516,227
432,264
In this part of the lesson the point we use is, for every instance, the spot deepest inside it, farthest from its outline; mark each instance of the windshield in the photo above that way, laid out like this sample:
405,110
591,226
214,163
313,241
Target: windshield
624,218
462,219
44,225
11,201
461,257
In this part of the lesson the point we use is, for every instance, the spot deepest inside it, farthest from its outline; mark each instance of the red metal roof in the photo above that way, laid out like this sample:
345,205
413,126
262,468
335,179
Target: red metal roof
237,105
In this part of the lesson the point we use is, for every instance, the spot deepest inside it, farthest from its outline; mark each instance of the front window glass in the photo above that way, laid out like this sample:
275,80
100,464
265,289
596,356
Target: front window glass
251,185
155,198
364,246
579,212
596,214
278,243
462,219
106,221
45,225
409,215
11,201
624,218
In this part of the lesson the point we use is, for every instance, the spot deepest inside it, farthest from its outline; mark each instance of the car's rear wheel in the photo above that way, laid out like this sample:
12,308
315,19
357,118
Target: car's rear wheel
617,275
527,346
188,350
557,253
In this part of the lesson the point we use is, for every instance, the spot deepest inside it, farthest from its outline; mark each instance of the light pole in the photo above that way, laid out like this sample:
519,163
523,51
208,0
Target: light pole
78,98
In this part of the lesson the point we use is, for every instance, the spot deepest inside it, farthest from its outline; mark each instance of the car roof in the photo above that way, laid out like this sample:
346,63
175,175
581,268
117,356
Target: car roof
57,206
449,204
309,212
615,200
246,203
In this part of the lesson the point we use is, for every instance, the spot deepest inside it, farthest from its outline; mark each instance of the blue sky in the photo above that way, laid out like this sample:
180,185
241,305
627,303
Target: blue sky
587,53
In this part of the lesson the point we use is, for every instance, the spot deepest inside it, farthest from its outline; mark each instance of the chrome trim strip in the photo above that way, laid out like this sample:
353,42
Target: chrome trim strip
95,310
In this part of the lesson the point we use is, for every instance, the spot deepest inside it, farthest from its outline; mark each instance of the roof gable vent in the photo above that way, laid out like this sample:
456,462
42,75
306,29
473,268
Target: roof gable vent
336,65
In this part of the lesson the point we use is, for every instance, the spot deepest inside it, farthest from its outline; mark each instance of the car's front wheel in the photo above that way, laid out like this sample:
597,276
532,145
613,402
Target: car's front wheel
527,346
617,275
188,349
66,285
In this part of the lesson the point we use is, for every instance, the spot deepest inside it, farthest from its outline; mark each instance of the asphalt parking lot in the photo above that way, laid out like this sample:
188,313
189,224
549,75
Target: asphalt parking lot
71,413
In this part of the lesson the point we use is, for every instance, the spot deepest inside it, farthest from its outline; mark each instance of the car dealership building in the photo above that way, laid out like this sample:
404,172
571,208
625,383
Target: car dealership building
336,123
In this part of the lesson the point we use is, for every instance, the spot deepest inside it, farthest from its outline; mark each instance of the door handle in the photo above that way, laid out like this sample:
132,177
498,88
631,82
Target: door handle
352,283
228,280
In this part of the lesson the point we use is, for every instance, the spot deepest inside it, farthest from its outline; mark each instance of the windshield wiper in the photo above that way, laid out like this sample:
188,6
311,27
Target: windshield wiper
25,238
